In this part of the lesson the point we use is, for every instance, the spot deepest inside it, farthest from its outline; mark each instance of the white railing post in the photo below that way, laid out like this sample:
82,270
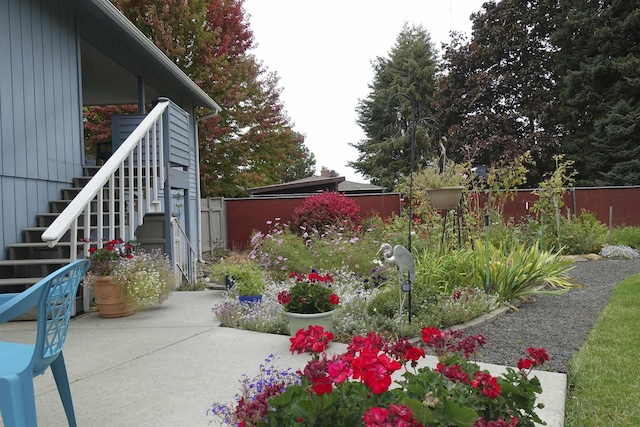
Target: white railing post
95,191
143,181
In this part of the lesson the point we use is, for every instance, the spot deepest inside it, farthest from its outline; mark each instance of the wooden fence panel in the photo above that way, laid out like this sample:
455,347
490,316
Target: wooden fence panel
246,215
214,225
243,216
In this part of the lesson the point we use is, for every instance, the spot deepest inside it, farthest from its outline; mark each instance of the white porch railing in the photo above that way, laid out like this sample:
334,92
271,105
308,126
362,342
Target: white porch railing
125,188
185,256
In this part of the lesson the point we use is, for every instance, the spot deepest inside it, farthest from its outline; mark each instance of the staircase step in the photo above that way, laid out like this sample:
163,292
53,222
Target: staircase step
57,206
17,284
34,234
81,181
71,192
38,251
45,219
30,268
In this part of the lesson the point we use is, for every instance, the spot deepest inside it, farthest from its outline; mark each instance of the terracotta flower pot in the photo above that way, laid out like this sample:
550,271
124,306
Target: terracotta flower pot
109,298
299,321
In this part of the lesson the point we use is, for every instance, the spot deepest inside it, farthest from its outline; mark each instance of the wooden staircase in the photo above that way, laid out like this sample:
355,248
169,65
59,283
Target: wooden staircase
32,259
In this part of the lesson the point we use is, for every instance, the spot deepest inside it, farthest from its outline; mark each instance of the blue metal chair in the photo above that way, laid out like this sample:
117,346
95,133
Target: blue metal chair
53,297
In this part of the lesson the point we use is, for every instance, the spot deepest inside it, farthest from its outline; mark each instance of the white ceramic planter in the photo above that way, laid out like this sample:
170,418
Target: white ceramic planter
299,321
445,197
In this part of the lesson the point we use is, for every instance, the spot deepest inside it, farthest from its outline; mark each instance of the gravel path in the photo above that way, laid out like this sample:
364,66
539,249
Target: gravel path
559,323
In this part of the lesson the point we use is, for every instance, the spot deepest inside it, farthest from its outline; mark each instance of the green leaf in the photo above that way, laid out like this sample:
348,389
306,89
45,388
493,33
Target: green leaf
462,416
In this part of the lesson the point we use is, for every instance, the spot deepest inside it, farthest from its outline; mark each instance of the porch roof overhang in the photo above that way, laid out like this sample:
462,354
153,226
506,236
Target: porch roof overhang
98,90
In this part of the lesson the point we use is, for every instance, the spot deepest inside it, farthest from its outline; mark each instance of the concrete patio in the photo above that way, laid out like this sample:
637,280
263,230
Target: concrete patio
165,366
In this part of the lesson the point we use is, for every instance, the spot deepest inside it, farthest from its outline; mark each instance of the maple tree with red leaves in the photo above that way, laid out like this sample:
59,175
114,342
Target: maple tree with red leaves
251,142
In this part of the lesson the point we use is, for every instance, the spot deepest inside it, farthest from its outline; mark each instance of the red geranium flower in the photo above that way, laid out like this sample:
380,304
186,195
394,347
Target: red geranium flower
334,299
284,297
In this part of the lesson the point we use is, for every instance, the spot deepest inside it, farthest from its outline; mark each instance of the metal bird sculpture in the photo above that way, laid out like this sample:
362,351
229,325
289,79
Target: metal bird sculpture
402,258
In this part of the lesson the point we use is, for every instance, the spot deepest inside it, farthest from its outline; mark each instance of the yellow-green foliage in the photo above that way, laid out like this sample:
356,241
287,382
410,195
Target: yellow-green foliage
582,235
517,272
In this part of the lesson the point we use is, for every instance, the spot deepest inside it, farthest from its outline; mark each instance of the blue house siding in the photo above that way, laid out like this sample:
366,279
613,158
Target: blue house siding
40,115
183,154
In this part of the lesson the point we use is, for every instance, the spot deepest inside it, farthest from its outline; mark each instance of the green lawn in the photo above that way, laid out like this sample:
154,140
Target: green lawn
604,384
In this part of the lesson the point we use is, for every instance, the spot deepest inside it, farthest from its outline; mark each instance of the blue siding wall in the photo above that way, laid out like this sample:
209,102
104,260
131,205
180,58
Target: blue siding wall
183,146
40,114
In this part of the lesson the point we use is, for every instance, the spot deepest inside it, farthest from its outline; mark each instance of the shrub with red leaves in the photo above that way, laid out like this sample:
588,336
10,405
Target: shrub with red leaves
324,210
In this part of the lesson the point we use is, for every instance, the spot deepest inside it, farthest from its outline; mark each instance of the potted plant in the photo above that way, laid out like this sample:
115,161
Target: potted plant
310,301
241,276
123,280
108,294
443,184
147,278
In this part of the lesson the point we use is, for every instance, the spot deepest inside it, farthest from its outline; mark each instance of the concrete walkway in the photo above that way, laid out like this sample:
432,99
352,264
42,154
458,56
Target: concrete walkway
165,366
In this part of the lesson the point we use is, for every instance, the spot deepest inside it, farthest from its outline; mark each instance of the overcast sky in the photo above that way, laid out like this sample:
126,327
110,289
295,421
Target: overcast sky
322,52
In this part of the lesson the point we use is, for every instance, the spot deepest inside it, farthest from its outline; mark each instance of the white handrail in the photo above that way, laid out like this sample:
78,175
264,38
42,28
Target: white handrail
114,167
184,253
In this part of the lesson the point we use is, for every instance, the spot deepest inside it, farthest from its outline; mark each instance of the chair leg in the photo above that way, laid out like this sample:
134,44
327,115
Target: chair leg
59,371
17,401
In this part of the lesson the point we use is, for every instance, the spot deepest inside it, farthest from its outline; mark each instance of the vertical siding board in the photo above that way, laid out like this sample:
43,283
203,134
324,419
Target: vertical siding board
70,75
21,207
65,140
49,120
56,140
40,162
28,79
15,95
9,218
6,108
36,191
3,242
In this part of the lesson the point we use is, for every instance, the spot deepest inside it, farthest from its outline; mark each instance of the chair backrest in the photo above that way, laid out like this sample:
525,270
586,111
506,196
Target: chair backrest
54,312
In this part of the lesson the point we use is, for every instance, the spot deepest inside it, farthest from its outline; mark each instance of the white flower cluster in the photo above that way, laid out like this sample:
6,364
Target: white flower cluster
147,278
619,252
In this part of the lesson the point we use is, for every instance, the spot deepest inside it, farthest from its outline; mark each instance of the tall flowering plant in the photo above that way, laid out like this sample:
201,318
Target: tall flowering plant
309,294
356,388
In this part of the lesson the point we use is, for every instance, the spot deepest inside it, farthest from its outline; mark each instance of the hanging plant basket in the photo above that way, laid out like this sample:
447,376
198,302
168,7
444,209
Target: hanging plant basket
445,198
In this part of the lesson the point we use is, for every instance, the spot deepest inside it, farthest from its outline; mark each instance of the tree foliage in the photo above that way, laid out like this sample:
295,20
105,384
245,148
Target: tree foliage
599,61
251,142
384,154
497,94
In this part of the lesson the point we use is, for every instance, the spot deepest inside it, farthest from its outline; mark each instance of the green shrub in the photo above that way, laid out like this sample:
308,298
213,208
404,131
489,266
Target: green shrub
627,236
245,274
582,235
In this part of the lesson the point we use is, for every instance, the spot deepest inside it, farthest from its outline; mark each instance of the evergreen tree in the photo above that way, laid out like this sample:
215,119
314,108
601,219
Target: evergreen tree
410,70
599,59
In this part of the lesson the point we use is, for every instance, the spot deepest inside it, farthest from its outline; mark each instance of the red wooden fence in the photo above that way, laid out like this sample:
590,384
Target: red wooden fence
615,206
246,215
